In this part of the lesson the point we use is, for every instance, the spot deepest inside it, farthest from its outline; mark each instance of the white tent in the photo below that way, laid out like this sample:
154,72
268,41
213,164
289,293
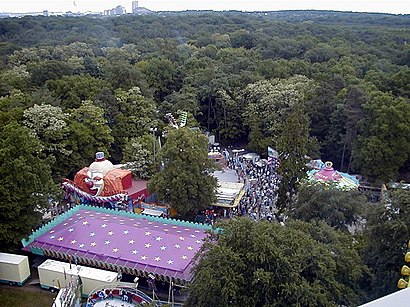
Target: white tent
229,189
251,156
152,212
398,298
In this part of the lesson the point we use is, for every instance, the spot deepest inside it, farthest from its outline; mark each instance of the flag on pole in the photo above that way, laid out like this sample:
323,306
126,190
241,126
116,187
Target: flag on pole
272,153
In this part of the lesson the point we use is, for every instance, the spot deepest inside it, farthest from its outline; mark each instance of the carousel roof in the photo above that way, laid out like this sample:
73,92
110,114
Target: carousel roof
329,177
116,240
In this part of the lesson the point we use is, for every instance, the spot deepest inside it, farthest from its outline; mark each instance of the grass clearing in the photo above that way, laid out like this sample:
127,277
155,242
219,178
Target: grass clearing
21,298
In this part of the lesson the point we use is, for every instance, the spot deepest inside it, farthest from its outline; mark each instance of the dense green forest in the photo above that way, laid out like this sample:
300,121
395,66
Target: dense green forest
327,85
219,67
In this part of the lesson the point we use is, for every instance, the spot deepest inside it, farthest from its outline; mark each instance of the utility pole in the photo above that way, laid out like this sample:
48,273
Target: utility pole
153,130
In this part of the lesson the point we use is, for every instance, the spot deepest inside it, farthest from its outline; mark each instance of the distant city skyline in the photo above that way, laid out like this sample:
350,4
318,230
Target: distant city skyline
381,6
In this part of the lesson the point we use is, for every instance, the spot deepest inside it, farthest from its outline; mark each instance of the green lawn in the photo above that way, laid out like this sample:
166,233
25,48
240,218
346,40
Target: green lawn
20,298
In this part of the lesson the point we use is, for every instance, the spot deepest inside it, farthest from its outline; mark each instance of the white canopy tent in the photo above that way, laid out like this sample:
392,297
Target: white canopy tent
152,212
398,298
229,189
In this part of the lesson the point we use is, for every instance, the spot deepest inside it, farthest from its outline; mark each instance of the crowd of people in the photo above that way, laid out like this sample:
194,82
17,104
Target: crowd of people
261,183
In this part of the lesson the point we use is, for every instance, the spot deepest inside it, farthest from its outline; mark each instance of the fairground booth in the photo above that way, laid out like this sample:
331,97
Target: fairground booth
229,192
121,241
105,185
329,178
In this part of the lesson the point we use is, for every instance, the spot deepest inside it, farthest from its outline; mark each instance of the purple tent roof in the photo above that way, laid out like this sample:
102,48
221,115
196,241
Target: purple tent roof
153,245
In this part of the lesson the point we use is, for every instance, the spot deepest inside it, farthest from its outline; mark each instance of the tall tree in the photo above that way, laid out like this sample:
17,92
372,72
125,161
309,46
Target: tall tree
252,263
292,142
186,182
25,184
16,78
87,133
229,117
48,70
386,235
276,114
12,107
185,99
339,209
139,155
132,115
383,145
327,124
269,104
73,90
49,124
354,102
242,38
161,74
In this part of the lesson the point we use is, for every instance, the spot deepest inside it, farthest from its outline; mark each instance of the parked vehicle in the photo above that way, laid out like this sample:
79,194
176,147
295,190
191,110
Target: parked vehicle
14,269
56,275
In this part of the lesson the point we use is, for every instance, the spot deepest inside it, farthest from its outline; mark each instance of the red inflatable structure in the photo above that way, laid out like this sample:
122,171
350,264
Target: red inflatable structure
105,185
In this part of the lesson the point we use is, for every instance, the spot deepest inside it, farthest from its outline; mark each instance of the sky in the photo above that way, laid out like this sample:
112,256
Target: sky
382,6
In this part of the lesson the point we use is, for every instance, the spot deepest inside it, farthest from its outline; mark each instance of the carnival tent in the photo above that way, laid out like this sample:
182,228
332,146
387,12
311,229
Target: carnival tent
251,156
121,241
152,212
328,177
229,191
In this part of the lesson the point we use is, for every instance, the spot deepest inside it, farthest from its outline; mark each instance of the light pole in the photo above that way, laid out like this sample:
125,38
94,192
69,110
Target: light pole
136,279
153,130
171,294
151,284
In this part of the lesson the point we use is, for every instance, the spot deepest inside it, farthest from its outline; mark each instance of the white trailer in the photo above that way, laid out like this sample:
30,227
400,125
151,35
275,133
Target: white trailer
14,269
56,275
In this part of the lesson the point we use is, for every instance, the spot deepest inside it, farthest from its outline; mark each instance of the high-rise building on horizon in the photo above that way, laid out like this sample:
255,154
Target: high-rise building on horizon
134,6
117,11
